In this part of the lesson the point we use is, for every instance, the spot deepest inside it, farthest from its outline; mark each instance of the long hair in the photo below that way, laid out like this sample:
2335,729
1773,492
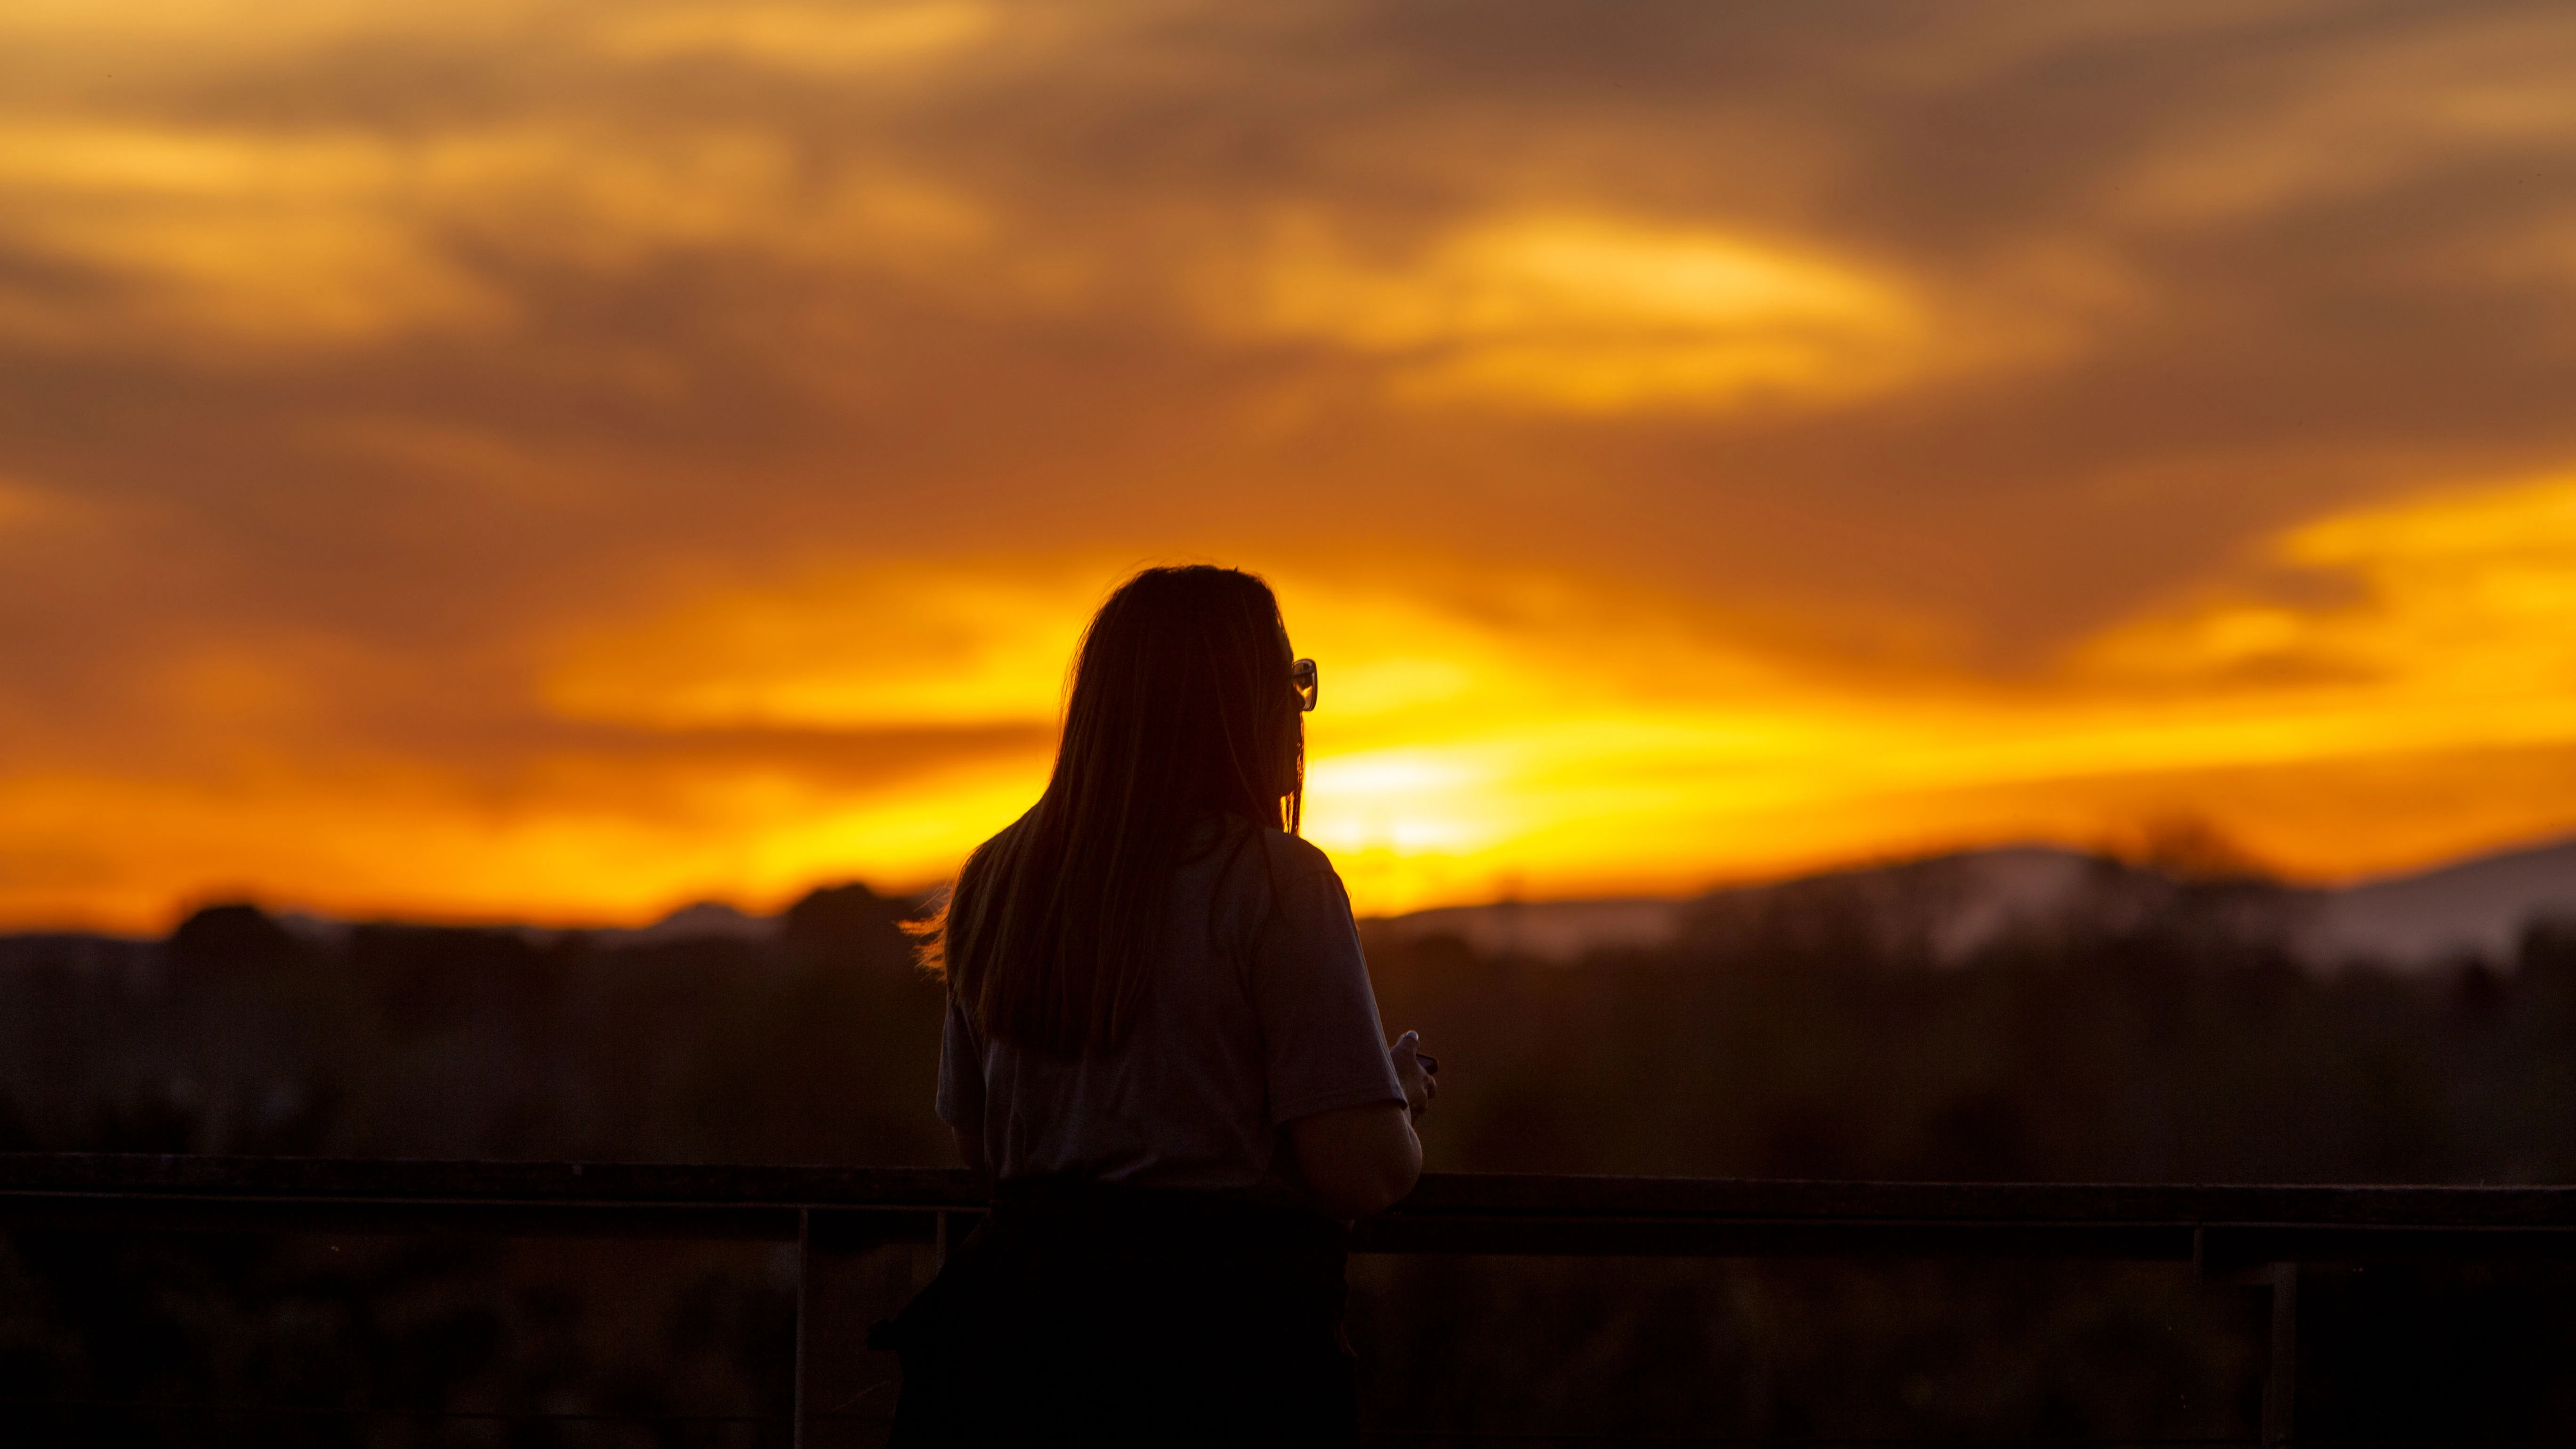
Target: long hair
1181,709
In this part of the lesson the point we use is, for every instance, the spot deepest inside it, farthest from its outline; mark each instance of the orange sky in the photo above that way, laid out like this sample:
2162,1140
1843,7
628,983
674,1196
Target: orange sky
553,460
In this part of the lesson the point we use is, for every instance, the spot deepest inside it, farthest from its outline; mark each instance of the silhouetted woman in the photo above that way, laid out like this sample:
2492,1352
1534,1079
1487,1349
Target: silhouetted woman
1162,1045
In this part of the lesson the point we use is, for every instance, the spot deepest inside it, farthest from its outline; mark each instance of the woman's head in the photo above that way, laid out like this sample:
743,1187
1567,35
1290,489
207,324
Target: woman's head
1182,702
1182,708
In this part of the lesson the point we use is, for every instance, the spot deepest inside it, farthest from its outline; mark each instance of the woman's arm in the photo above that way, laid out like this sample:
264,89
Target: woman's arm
1357,1160
1363,1160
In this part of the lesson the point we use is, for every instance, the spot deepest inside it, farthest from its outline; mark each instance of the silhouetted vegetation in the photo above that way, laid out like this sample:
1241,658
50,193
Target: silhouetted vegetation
1788,1035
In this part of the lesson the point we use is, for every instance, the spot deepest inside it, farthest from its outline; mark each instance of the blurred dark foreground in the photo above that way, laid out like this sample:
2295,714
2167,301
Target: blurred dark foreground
1793,1038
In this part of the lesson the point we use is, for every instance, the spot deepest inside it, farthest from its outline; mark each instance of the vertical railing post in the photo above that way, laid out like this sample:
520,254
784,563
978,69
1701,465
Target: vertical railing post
2281,1375
805,1315
854,1268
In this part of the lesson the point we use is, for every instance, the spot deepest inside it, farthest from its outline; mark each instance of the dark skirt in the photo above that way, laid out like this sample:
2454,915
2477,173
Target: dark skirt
1082,1313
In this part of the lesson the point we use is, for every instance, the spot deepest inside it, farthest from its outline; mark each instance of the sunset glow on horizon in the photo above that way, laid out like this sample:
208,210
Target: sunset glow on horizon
548,460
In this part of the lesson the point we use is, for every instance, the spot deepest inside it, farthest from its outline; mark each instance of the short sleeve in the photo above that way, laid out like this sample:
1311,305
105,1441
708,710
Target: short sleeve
1322,1044
961,1071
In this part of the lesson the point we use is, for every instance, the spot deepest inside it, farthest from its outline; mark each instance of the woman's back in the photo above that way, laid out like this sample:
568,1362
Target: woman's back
1259,1013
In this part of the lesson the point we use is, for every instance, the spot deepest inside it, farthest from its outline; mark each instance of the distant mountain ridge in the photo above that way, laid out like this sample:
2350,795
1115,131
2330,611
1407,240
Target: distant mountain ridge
2477,907
1949,907
1942,908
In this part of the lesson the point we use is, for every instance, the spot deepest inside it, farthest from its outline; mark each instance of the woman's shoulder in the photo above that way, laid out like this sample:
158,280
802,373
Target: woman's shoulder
1274,882
1294,857
1285,858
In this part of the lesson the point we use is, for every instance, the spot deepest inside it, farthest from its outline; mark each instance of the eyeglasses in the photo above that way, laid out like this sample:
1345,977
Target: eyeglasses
1302,675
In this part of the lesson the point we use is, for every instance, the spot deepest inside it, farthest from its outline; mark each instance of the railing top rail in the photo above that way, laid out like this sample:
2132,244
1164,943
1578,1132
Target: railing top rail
426,1180
1440,1196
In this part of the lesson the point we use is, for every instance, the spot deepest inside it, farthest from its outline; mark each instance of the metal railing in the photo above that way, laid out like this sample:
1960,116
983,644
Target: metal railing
2241,1234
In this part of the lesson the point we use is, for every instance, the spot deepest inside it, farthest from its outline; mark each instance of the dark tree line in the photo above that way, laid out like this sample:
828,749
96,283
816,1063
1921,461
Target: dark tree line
1800,1032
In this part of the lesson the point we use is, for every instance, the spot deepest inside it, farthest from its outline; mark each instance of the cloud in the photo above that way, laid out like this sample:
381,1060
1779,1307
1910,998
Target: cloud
23,505
419,842
872,646
2459,622
1576,732
1565,731
244,236
2368,113
670,448
339,240
283,25
1592,314
820,38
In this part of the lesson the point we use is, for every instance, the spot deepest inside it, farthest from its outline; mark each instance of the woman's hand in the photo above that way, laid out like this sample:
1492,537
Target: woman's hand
1414,1072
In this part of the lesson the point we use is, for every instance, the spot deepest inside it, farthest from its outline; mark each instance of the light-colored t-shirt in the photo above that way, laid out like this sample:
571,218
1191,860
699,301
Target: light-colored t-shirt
1259,1013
